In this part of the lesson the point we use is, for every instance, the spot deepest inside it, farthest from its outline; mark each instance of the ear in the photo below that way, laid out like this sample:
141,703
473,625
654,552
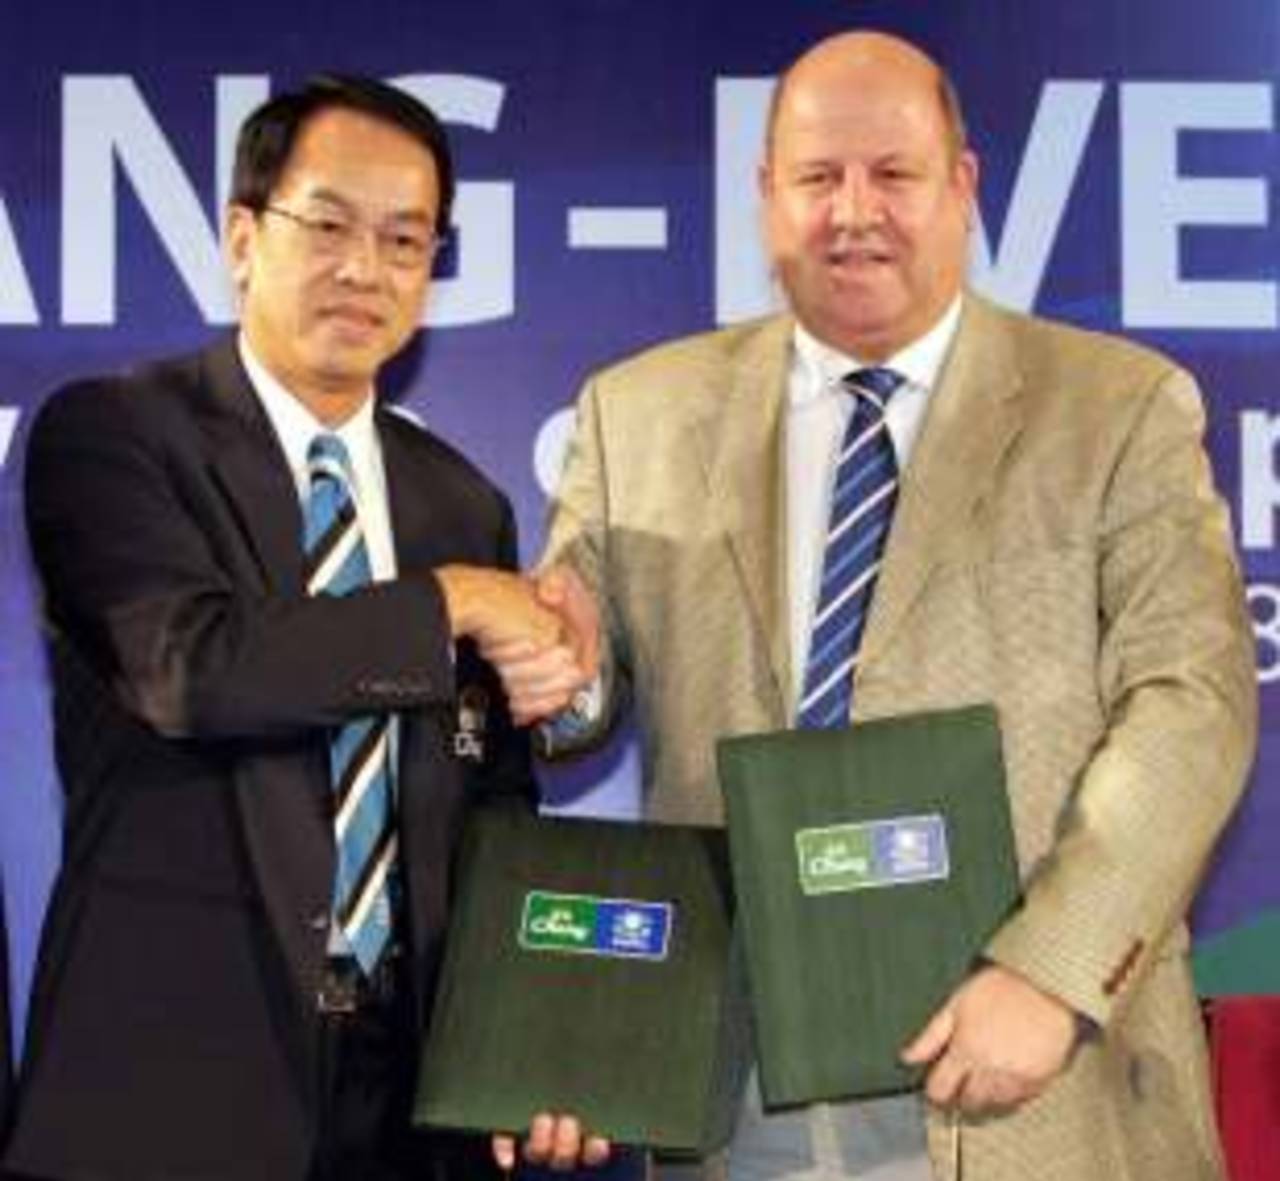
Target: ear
965,178
764,180
239,243
766,210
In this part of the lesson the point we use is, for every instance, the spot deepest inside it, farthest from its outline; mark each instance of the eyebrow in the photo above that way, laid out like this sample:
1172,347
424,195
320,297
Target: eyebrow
333,197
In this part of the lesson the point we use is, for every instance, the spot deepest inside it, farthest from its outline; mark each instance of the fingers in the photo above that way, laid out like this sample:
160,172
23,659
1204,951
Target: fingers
946,1082
932,1039
562,589
989,1091
566,1143
538,1144
537,683
552,586
495,606
504,1151
955,1083
557,1142
596,1151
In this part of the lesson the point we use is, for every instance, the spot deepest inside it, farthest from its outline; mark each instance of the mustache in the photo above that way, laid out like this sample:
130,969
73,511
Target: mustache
860,246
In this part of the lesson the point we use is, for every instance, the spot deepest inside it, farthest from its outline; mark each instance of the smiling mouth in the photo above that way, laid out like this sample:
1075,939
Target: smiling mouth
858,257
357,318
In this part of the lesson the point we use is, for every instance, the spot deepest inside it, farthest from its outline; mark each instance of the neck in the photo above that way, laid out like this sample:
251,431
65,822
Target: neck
331,407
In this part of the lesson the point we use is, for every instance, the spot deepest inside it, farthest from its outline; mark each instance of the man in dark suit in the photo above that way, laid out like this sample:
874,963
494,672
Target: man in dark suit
223,993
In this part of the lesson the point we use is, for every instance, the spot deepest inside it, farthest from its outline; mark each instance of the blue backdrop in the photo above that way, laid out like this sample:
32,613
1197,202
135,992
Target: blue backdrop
607,150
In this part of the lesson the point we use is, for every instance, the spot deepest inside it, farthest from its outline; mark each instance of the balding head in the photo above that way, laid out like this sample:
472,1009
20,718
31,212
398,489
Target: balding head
868,192
849,51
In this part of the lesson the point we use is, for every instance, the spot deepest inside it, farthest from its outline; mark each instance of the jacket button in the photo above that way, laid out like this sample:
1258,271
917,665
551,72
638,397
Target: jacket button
319,921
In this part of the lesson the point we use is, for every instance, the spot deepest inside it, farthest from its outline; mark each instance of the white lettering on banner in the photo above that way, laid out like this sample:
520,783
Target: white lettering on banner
1264,603
1055,149
105,122
17,303
8,427
1259,479
484,217
1156,203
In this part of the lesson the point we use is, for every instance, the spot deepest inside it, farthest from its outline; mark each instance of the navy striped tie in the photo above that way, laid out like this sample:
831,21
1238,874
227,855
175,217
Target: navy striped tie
359,756
862,503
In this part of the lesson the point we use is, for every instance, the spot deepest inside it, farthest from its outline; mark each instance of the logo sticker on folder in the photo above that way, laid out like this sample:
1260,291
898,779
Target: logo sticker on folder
583,924
875,853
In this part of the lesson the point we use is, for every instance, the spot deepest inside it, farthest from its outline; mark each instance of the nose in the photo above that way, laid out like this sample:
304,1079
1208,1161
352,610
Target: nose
361,260
855,201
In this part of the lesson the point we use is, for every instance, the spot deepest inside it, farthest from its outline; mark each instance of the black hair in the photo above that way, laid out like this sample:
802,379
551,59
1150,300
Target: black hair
268,135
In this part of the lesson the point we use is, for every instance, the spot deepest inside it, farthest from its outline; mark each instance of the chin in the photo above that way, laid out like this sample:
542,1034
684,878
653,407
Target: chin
860,335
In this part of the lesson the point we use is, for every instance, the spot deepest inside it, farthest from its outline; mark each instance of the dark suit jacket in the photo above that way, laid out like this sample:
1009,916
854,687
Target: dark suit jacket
172,1031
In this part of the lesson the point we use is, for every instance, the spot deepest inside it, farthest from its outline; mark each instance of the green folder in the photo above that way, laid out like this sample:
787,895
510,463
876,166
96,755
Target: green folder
587,971
871,865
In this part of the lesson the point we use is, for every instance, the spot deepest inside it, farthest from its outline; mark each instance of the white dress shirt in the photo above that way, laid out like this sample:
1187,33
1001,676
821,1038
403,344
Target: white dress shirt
295,427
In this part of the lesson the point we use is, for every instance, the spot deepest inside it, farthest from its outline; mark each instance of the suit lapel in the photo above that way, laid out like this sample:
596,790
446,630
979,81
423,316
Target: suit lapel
974,415
416,525
739,439
253,471
282,791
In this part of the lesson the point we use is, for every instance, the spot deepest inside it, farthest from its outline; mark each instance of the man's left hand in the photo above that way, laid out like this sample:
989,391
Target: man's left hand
997,1042
554,1142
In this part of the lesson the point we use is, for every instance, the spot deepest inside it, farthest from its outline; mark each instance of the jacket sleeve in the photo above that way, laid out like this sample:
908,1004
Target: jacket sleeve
148,575
579,536
1176,679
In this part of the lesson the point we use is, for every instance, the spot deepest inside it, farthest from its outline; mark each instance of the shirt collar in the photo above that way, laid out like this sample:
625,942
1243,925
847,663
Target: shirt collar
296,426
823,368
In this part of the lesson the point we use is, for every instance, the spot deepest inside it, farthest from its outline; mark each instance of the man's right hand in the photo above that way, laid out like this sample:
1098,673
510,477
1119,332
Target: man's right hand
497,607
540,681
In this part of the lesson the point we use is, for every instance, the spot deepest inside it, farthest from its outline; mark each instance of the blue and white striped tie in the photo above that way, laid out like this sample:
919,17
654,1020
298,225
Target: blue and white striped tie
862,503
359,755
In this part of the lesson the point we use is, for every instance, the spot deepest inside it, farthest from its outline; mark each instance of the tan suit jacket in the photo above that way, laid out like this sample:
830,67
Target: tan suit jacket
1059,550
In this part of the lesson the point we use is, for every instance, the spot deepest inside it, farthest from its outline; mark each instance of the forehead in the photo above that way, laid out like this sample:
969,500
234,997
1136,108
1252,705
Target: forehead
365,159
851,115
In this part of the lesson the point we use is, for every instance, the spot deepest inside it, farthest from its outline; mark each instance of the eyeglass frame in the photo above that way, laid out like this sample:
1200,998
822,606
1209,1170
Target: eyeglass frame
329,235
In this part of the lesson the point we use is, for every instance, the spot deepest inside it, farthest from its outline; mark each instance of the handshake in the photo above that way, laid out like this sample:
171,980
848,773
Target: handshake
540,631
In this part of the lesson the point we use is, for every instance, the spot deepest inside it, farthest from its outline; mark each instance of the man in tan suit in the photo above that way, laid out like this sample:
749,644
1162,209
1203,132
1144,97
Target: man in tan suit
1057,549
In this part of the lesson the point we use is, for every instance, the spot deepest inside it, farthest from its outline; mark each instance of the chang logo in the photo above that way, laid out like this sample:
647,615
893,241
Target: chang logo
864,855
559,924
838,858
584,924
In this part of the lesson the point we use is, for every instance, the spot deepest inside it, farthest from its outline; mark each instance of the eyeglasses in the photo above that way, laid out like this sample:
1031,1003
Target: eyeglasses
333,235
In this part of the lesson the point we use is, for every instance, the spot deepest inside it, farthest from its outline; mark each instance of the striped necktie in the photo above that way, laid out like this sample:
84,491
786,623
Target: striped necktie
862,503
359,755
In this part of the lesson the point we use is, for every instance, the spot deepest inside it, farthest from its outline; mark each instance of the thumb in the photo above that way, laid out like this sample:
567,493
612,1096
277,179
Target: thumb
933,1038
504,1151
551,587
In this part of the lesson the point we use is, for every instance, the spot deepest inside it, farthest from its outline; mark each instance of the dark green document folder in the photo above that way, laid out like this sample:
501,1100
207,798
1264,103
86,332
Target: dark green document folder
871,864
587,971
